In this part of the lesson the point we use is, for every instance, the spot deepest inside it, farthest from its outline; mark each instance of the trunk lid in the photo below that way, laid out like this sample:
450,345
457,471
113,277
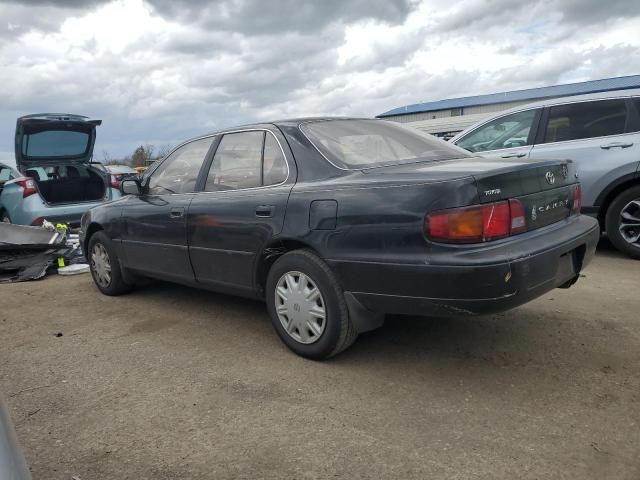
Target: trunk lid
545,189
51,139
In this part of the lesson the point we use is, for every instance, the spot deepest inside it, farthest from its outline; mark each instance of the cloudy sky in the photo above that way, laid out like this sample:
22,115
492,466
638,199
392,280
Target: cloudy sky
159,71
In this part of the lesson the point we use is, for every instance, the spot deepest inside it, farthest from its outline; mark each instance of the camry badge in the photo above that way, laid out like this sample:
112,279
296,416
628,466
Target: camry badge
551,178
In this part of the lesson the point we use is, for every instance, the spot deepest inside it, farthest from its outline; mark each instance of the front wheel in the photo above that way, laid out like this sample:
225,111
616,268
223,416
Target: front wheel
307,307
623,222
105,267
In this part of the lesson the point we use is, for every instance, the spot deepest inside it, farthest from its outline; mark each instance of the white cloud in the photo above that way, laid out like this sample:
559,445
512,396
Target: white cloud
159,71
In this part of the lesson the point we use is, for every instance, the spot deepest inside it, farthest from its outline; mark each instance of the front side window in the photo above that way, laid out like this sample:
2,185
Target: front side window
585,120
356,144
504,132
178,173
55,143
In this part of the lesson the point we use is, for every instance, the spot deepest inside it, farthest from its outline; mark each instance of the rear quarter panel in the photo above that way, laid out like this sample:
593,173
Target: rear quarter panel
375,222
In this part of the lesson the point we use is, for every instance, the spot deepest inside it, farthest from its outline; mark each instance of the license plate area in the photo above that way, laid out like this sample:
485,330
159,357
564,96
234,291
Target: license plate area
570,263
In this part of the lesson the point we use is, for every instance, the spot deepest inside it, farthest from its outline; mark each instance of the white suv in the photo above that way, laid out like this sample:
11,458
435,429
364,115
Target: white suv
599,132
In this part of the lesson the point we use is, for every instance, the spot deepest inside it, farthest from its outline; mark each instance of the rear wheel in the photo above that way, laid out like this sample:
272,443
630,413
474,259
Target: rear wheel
623,222
307,306
105,267
4,217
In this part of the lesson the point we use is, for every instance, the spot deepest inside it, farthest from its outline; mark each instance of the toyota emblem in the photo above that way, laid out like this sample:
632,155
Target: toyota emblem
551,178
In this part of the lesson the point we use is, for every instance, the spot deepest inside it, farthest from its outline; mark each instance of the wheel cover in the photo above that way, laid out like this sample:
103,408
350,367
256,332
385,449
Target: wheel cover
101,265
4,218
629,224
300,307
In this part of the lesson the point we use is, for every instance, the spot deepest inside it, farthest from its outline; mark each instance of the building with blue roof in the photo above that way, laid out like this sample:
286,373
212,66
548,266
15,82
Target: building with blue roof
450,116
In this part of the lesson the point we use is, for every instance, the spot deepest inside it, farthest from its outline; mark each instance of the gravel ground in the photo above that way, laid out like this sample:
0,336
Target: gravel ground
170,382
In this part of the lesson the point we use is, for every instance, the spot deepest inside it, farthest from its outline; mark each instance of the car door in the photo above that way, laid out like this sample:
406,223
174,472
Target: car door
597,135
242,207
508,136
154,224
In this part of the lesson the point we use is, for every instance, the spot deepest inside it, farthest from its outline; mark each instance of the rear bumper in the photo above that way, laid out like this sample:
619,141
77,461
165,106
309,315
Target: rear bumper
34,207
493,279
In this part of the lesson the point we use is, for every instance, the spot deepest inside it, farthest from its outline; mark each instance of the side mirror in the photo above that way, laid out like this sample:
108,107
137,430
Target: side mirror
130,187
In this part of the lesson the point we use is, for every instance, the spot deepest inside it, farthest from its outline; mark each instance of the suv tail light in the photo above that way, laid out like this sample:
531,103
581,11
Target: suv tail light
116,178
28,186
577,200
478,223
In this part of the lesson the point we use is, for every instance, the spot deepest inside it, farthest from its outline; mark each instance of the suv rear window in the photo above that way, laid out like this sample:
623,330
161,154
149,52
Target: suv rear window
585,120
354,144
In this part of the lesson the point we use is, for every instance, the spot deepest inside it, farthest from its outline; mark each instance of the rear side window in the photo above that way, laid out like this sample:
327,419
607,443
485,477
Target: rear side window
275,165
179,171
577,121
505,132
246,160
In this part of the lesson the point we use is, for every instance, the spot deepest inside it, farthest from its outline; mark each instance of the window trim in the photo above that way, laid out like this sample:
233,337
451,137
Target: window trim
531,138
543,125
216,144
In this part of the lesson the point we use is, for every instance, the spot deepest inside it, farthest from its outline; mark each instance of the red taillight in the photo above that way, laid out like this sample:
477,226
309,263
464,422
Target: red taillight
478,223
577,200
518,222
38,221
496,221
116,178
28,186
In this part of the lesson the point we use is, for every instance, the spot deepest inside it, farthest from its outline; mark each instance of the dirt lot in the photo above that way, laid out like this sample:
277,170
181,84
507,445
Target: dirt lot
170,382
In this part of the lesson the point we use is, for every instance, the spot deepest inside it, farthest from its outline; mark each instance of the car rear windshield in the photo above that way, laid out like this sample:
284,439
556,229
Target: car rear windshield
55,143
355,144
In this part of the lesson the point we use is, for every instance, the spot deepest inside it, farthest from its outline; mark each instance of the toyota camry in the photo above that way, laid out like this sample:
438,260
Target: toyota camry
336,222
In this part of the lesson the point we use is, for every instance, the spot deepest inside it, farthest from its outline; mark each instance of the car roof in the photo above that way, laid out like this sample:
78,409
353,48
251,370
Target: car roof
634,92
572,99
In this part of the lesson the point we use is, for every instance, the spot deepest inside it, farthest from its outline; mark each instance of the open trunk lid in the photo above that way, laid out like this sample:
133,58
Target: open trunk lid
50,139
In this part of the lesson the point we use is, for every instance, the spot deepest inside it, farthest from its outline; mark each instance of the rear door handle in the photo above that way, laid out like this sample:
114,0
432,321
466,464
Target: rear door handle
607,146
265,211
514,155
177,212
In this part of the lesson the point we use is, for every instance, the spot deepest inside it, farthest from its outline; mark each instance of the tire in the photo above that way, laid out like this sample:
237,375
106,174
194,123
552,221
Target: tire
101,249
296,272
4,217
624,204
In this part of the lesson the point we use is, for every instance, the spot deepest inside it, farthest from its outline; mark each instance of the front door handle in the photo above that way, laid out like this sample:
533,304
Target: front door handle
514,155
177,212
607,146
265,211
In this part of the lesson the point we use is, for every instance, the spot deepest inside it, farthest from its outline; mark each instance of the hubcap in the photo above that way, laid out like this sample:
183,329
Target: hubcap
5,219
630,222
101,265
300,307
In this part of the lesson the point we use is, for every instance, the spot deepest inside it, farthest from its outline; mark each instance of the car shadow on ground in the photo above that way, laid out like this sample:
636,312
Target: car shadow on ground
514,337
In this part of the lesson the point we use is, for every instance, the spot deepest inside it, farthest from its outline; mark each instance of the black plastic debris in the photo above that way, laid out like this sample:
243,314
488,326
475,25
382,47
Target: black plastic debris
27,253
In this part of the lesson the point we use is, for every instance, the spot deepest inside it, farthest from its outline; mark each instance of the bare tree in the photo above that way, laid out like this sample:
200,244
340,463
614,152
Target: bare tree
142,155
163,151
